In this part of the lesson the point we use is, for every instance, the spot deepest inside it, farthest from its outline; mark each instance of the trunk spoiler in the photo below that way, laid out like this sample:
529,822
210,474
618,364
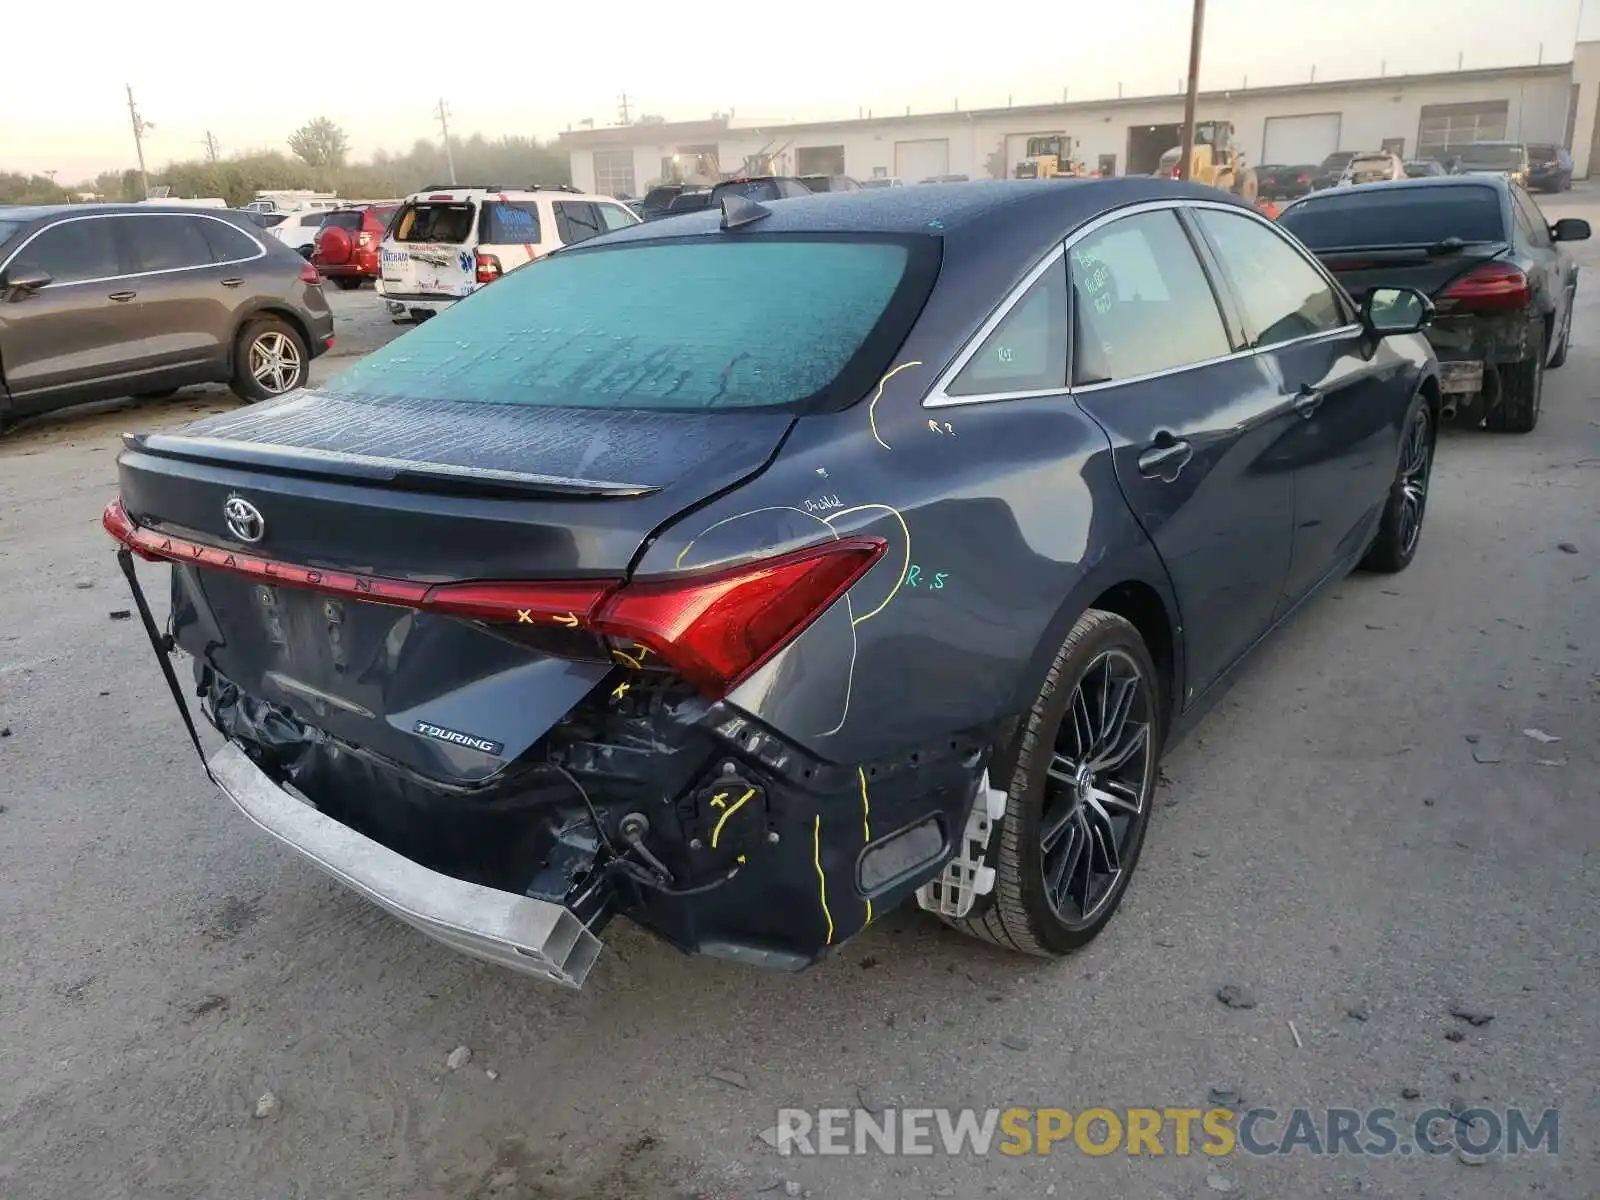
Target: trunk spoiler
370,468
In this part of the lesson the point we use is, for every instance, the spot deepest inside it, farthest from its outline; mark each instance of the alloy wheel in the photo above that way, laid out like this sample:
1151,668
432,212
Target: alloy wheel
275,362
1097,787
1414,462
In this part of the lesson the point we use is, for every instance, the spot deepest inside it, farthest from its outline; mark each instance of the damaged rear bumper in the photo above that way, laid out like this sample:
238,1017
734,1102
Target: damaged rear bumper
531,936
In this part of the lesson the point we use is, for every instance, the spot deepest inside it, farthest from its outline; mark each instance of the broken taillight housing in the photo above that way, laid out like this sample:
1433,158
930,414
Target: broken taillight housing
488,268
714,628
1493,287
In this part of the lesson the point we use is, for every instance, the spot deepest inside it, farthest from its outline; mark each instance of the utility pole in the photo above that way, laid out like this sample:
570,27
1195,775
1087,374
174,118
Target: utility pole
211,147
1186,161
139,128
623,108
444,126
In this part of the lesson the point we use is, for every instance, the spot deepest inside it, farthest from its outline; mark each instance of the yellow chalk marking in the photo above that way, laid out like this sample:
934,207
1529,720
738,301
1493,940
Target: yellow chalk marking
894,512
866,823
570,620
524,616
716,830
816,858
720,800
741,859
628,658
620,691
872,408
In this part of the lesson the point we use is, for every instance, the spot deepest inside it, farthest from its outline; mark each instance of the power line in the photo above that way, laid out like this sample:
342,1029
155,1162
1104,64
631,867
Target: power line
140,127
444,126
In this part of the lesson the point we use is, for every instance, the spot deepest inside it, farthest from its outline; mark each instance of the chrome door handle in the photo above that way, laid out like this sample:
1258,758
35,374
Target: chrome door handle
1165,458
1307,401
122,297
234,282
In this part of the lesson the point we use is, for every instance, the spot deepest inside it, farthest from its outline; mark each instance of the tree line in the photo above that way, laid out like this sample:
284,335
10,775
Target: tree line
319,161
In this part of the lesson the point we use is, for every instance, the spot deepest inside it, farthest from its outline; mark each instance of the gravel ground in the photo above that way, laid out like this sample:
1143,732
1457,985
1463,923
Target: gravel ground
1361,826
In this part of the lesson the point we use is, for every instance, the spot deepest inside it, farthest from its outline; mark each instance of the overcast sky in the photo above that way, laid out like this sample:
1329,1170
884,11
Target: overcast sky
251,74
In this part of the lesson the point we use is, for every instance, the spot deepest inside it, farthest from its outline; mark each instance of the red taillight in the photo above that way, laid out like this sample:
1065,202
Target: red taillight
715,630
1302,179
308,274
1494,286
488,269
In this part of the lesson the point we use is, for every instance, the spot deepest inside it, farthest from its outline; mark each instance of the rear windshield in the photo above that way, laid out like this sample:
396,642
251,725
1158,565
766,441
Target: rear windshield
669,325
754,189
1338,160
7,228
1406,216
1495,158
433,223
348,219
690,202
506,222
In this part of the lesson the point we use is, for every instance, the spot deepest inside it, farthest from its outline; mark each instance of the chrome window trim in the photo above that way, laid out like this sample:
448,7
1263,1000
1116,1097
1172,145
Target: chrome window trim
938,397
261,250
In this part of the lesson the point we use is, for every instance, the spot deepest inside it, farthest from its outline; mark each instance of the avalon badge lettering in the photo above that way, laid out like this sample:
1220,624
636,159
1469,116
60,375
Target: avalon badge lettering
457,738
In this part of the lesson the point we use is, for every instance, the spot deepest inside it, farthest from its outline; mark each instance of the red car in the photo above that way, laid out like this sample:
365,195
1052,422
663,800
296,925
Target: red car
347,244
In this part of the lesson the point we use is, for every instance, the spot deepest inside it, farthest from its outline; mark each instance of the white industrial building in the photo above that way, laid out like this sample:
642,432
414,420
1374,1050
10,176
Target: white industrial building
1416,115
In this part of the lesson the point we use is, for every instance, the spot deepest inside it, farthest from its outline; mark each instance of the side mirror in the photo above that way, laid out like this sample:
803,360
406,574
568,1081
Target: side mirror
1392,310
19,285
1570,229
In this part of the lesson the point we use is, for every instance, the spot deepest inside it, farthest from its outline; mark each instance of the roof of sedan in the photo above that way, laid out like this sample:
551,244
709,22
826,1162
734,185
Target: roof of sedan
1433,182
35,212
947,209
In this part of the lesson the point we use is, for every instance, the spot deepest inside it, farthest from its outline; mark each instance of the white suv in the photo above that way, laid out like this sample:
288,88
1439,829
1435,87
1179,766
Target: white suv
448,241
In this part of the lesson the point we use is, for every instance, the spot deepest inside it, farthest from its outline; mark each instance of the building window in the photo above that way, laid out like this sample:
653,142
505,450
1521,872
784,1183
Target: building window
1447,126
613,172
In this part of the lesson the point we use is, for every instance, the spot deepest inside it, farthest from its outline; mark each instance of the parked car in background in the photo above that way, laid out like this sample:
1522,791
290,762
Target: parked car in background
260,219
447,241
758,187
349,244
298,230
135,300
659,199
947,179
689,201
1480,248
830,183
883,181
1549,167
1372,166
1509,160
1424,168
1284,183
952,680
1331,170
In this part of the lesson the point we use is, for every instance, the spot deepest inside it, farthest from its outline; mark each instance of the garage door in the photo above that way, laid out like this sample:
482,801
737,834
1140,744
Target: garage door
916,161
1291,141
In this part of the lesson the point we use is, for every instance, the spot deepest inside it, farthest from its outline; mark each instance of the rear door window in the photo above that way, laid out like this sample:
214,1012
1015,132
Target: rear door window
1538,227
1402,216
1280,294
1141,302
1027,352
168,243
73,251
509,222
434,222
576,221
227,243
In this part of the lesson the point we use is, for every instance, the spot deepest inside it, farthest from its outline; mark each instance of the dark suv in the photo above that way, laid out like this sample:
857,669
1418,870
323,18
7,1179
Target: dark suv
110,300
347,245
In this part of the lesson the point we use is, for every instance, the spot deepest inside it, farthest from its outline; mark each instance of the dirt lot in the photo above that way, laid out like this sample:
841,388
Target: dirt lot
1362,836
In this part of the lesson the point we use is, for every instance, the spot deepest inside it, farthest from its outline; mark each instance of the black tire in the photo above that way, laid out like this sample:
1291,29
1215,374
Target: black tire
347,283
279,341
163,394
1400,528
1521,390
1019,913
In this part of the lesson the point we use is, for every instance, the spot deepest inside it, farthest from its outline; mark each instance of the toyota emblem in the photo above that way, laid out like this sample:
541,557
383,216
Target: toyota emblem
244,519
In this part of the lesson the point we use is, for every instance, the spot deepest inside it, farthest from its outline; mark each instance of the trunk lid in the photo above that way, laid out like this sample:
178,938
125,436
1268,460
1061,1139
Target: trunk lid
354,504
1428,270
